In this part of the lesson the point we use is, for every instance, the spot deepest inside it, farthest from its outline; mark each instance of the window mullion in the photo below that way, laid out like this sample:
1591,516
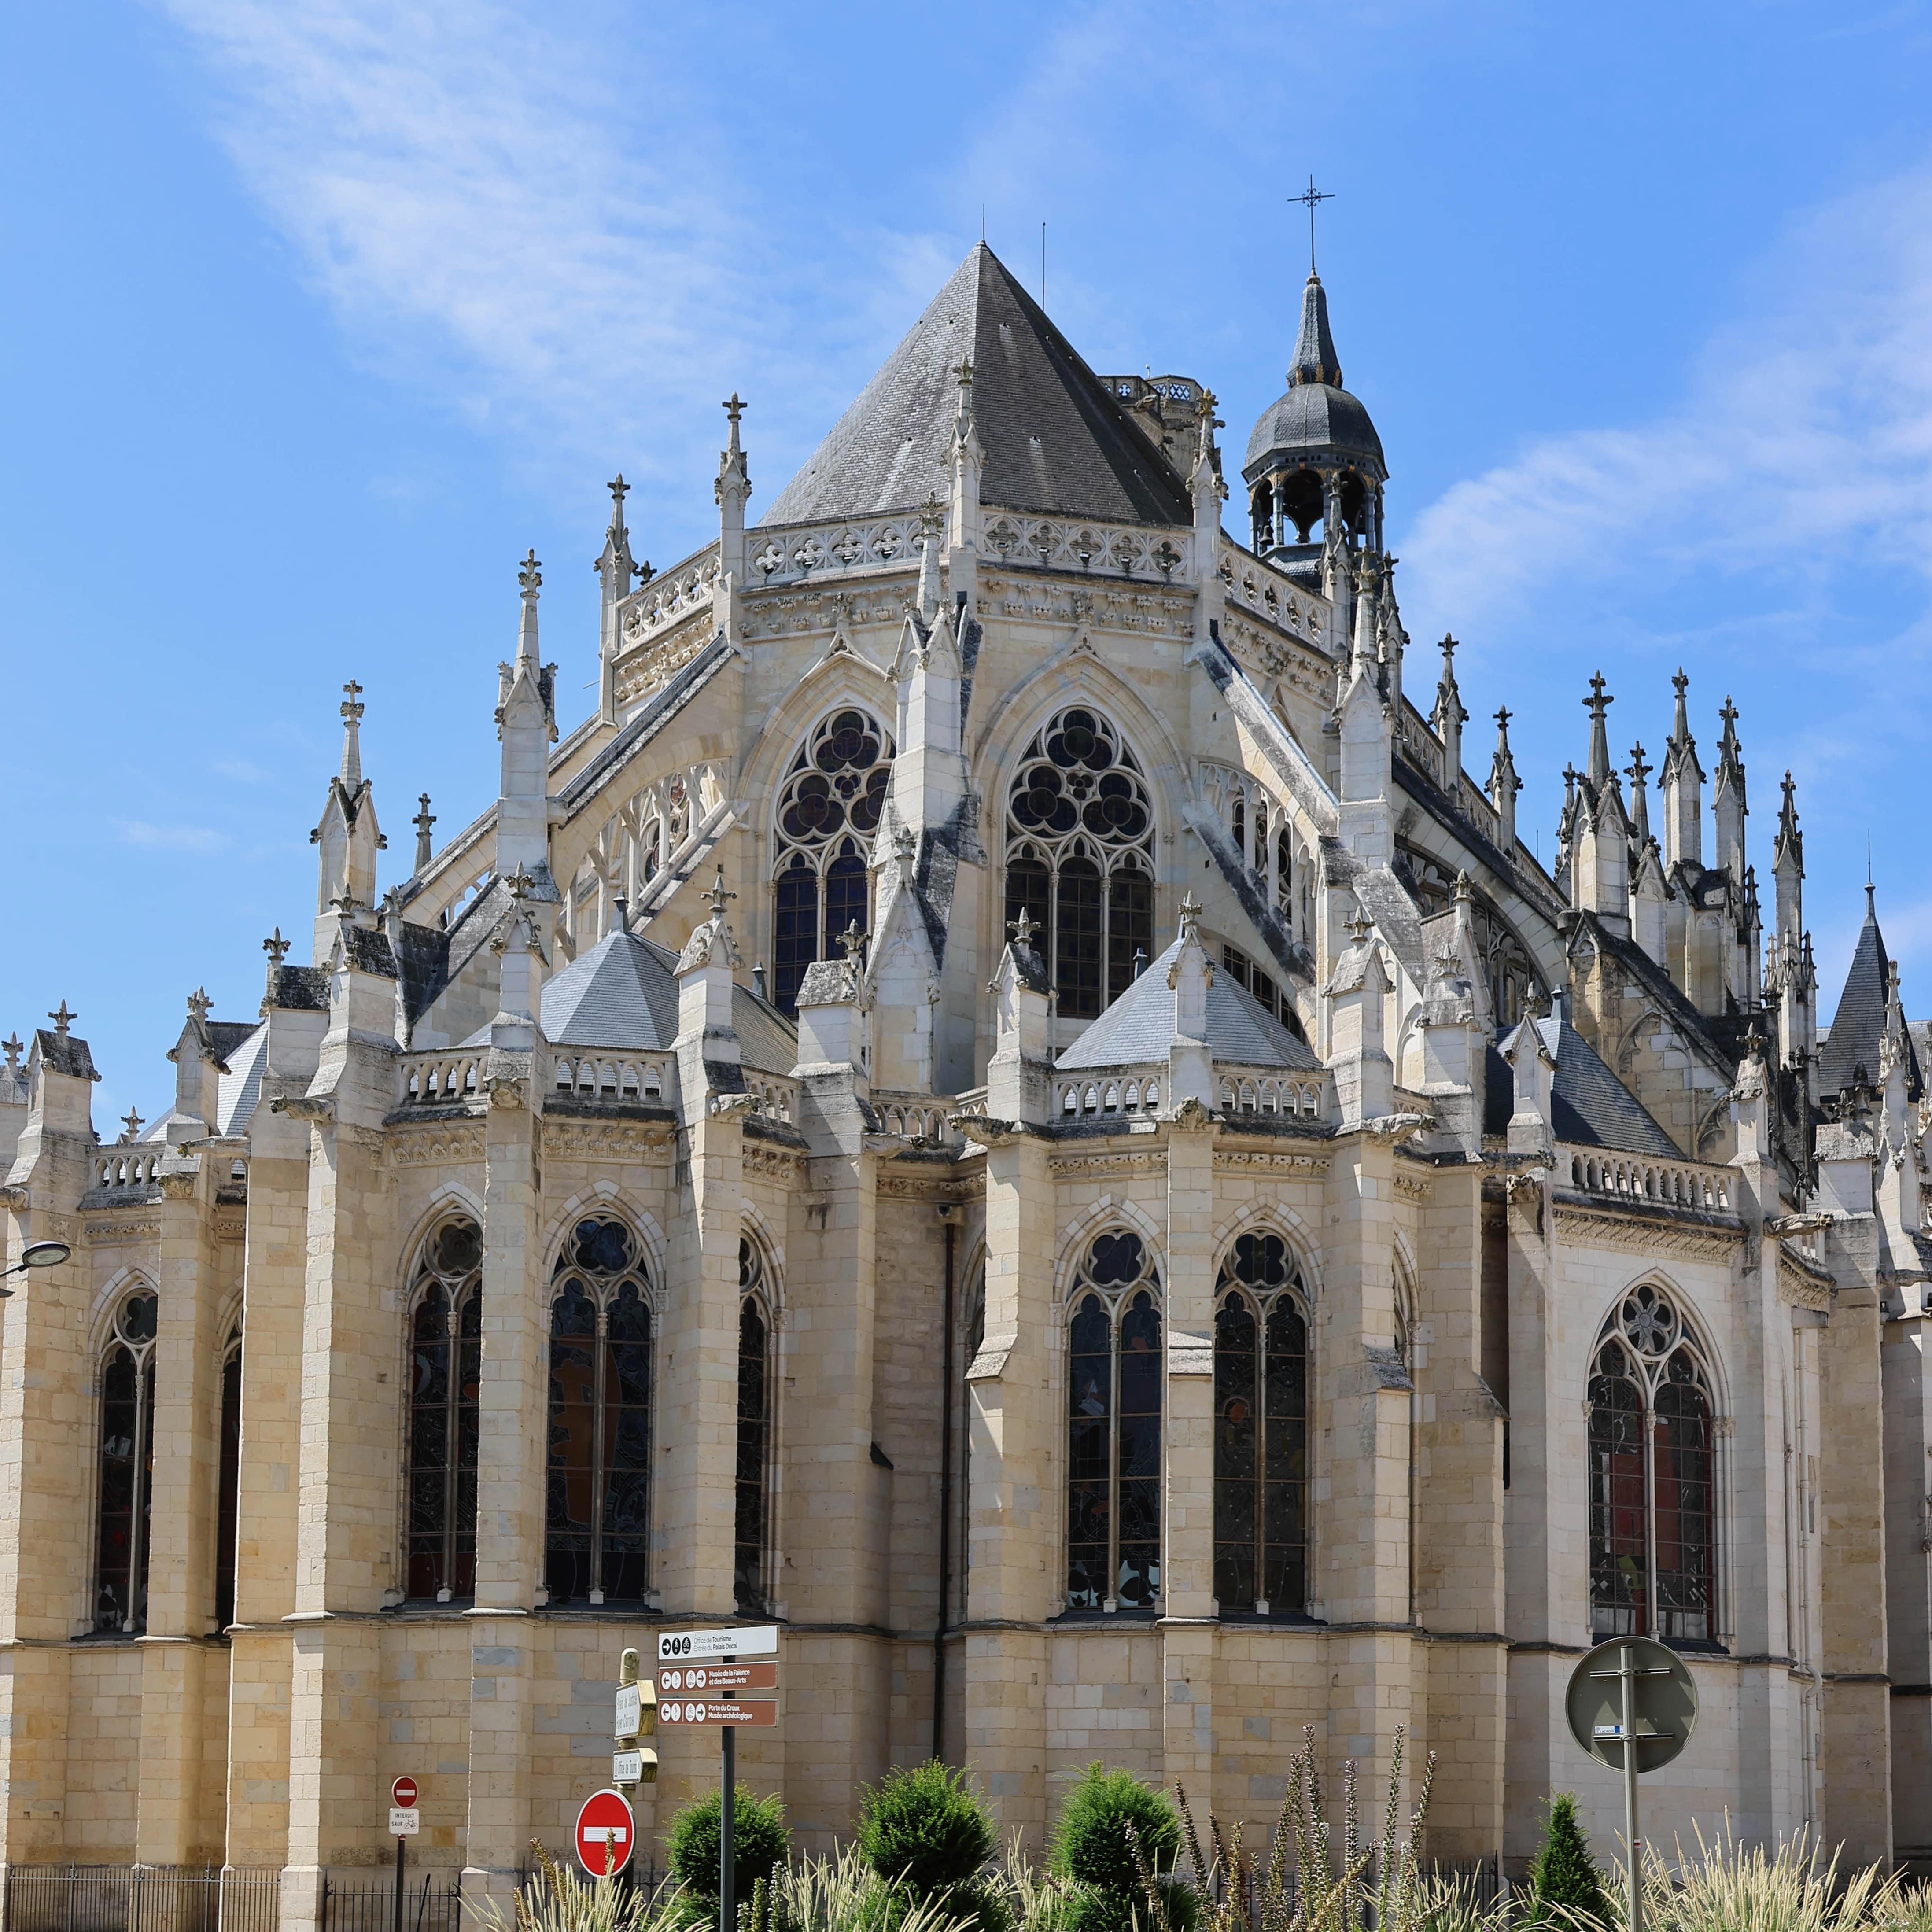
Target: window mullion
1650,1509
137,1533
599,1351
452,1412
1259,1395
1111,1600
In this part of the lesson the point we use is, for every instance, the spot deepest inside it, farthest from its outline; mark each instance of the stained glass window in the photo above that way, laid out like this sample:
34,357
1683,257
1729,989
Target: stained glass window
1115,1357
1080,858
228,1481
127,1466
445,1377
753,1428
829,810
597,1533
1653,1477
1260,1430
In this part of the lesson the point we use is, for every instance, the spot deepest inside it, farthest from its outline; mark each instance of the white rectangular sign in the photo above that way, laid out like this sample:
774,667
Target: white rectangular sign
627,1767
405,1821
627,1710
748,1640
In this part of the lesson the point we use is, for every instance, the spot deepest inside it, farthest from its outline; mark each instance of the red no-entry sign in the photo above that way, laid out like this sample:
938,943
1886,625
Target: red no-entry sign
403,1792
606,1833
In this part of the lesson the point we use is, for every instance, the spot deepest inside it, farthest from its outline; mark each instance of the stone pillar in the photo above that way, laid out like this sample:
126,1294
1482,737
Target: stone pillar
1187,1512
345,1540
274,1268
46,1403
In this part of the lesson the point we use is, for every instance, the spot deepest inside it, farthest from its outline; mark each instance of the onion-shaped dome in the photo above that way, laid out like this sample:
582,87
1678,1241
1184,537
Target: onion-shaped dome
1317,423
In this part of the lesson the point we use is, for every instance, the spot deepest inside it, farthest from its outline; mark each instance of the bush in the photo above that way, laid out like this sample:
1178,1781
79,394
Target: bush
1092,1847
1092,1908
759,1843
1563,1875
926,1828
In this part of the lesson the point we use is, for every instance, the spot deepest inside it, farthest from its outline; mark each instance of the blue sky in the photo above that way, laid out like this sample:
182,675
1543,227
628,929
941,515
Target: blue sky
318,317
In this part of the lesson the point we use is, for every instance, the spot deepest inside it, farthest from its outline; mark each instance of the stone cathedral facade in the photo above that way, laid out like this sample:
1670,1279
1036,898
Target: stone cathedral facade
1012,1101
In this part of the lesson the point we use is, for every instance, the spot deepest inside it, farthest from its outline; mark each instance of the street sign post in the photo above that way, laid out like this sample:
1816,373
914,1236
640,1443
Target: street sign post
725,1712
405,1822
633,1762
606,1833
1632,1705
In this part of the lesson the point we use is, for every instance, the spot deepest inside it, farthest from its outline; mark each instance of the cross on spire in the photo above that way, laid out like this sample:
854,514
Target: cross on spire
529,577
1597,703
1636,769
352,710
734,409
1312,200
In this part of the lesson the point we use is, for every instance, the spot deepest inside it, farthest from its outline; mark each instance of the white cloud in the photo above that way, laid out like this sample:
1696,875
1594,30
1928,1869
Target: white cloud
172,838
1802,441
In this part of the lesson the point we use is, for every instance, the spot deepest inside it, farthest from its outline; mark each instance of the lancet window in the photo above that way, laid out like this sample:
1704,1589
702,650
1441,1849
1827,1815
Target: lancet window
1080,858
1114,1427
1261,1429
445,1377
228,1492
750,1538
829,809
127,1477
1653,1477
597,1528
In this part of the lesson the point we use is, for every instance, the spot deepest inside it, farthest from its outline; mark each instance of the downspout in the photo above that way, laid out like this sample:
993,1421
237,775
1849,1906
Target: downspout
948,1215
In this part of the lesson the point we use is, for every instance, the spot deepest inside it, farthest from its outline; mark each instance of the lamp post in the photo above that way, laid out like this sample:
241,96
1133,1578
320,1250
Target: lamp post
36,1255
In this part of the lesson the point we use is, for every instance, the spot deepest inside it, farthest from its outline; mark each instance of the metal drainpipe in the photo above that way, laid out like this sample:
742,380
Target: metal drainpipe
945,1503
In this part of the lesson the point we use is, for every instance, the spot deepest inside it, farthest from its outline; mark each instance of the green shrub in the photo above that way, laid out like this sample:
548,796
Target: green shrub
1563,1875
926,1828
1092,1846
1093,1908
759,1843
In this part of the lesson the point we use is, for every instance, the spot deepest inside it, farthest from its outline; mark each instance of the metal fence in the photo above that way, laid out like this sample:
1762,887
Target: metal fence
140,1898
431,1903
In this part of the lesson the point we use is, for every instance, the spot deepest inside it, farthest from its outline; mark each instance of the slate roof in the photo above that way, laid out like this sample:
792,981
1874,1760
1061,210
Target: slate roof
1591,1106
1317,413
1138,1027
241,1085
1859,1025
623,995
1054,439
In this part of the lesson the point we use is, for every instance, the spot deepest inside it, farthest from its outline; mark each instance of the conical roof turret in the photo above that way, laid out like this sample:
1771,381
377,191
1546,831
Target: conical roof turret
1316,422
1315,358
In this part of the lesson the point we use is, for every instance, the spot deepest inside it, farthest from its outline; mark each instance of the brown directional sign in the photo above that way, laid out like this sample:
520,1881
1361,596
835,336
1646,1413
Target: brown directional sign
713,1679
679,1714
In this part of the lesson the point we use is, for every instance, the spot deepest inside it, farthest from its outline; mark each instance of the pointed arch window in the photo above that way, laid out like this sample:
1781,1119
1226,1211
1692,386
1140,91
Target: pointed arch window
127,1472
228,1491
1114,1427
829,809
751,1533
1080,858
597,1528
445,1383
1653,1477
1260,1430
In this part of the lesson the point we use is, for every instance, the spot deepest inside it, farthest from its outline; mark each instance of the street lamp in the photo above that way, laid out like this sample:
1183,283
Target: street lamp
36,1255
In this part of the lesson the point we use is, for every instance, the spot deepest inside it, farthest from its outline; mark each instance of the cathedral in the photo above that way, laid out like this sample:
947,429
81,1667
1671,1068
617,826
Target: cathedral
1012,1102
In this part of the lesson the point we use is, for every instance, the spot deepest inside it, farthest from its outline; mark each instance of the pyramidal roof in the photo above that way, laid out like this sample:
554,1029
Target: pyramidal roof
1138,1027
1054,441
1858,1025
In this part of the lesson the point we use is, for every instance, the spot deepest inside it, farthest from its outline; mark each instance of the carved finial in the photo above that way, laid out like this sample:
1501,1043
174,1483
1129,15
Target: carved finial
352,710
11,1047
1464,890
1728,712
529,577
423,820
619,490
1022,929
1190,915
131,1124
962,373
1504,715
734,409
1359,927
904,844
719,898
853,940
198,1004
276,947
1140,960
932,516
519,884
1597,703
62,1019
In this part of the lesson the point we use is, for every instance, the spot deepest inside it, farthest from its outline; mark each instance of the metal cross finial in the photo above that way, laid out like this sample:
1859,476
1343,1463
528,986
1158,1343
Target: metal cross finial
62,1020
10,1046
198,1002
1637,768
351,692
852,939
131,1120
276,947
1312,200
719,898
529,575
734,409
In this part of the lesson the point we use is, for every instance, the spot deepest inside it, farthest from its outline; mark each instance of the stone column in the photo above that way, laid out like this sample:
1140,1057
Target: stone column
347,1489
47,1399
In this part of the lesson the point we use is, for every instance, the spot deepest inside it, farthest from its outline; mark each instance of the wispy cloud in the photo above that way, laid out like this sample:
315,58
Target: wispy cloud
172,838
1802,441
